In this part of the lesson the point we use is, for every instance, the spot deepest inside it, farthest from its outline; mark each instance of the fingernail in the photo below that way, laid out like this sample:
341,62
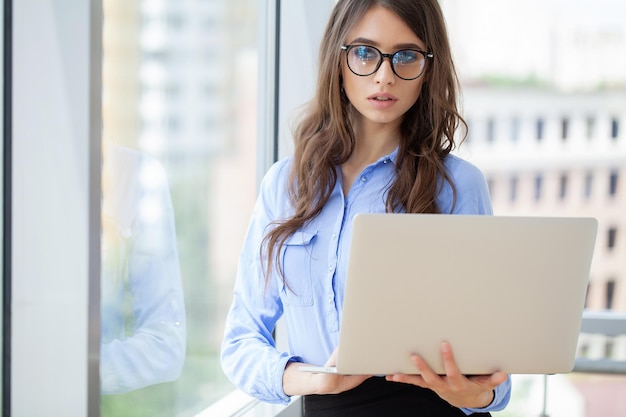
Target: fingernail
445,347
416,360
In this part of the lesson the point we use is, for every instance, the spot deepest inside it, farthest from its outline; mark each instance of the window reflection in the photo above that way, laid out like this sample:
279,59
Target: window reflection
179,93
143,315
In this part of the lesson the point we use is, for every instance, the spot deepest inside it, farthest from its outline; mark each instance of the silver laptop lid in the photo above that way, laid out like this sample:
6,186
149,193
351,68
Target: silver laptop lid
506,292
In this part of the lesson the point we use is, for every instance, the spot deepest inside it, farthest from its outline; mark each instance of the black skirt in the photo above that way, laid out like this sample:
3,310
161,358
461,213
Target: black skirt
377,397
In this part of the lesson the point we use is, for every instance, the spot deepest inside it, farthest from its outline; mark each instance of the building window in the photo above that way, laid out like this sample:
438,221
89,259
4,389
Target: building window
614,128
491,130
538,186
513,189
613,183
563,186
612,234
516,125
540,128
157,55
564,128
588,185
610,294
591,127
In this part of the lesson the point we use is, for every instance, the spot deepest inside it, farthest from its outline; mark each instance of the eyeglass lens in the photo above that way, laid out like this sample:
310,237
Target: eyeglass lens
365,60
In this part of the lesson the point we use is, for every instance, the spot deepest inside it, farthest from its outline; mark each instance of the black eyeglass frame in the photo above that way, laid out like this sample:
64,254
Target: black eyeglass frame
427,56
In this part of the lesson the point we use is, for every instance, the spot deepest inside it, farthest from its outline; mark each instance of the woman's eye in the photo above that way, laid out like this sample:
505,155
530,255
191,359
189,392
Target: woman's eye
365,53
405,57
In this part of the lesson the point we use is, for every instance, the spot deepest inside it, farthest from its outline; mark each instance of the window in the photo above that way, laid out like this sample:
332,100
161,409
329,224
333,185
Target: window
538,186
184,168
610,294
614,128
516,126
613,177
590,127
588,185
157,55
564,128
563,186
540,129
513,189
612,234
491,130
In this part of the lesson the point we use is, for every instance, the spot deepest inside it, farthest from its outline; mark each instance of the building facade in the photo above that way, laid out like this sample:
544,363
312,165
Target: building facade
550,153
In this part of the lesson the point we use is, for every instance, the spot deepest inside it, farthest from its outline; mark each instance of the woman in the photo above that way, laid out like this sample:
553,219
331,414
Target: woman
143,327
376,137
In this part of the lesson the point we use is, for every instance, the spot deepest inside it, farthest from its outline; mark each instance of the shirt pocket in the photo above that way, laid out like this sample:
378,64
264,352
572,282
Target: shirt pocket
297,267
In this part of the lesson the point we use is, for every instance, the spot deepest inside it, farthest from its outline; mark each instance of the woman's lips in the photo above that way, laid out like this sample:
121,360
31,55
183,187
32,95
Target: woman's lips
382,100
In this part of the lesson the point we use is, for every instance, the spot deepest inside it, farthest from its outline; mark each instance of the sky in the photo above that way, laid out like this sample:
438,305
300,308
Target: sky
570,43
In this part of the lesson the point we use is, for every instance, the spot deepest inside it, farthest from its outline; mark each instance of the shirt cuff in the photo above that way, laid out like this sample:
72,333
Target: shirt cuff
501,397
278,379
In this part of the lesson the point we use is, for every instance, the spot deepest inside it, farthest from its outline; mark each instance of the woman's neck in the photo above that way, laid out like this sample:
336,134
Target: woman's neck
371,144
374,142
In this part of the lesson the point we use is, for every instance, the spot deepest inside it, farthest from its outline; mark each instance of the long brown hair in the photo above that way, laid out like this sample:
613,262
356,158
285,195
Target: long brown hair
324,137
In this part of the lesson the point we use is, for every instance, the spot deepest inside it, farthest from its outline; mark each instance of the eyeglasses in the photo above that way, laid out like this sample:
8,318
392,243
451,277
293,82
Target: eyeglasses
364,60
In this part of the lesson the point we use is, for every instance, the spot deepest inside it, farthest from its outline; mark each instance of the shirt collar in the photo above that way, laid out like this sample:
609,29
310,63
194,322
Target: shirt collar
392,157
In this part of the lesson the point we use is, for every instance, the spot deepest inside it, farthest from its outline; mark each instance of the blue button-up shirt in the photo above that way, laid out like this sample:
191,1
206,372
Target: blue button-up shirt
140,272
314,262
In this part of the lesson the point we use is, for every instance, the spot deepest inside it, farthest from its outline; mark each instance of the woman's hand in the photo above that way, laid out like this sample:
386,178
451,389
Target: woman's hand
454,387
296,382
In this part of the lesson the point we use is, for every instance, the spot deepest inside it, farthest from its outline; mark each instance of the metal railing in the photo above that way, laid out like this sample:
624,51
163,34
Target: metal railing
611,325
606,324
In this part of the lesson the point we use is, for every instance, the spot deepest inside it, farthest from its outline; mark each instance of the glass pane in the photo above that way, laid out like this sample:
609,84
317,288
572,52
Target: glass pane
544,82
179,166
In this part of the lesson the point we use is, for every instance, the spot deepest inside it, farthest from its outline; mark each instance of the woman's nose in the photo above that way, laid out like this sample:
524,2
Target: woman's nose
385,74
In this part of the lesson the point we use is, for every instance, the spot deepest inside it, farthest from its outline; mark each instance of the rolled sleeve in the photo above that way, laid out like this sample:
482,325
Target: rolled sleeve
502,395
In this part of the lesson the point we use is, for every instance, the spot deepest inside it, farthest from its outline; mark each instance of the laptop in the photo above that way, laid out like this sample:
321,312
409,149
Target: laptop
506,292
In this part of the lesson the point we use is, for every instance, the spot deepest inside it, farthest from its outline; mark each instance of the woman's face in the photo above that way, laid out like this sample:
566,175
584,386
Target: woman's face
383,97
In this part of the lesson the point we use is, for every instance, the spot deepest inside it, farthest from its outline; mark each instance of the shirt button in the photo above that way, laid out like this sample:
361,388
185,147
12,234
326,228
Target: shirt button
363,179
330,268
330,300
